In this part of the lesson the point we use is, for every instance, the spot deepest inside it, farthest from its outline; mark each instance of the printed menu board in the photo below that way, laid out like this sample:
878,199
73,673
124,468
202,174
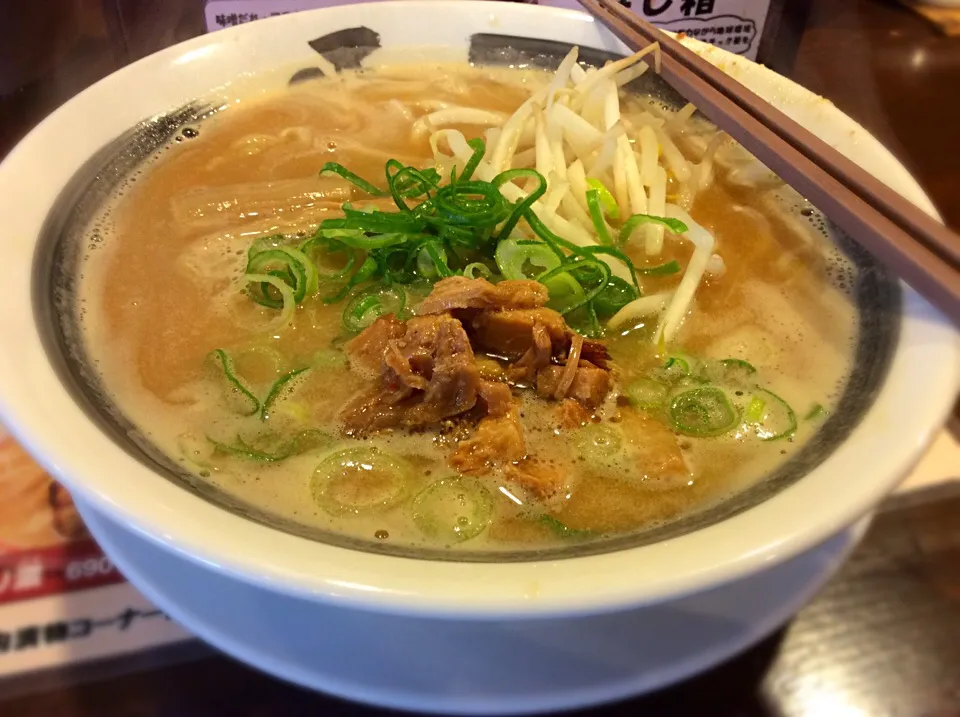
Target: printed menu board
62,601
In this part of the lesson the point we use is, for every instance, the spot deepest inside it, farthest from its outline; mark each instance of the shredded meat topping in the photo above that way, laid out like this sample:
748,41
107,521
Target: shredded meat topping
430,370
541,479
459,292
426,372
498,440
365,351
590,385
535,358
572,414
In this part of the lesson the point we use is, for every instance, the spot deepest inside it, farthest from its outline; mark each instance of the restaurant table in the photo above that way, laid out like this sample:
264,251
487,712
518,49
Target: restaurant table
881,639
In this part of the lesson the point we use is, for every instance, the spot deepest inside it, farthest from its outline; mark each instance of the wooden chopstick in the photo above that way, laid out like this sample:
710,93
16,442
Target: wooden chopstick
914,245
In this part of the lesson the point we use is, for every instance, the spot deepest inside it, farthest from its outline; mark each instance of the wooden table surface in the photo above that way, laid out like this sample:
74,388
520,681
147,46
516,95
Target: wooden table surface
883,639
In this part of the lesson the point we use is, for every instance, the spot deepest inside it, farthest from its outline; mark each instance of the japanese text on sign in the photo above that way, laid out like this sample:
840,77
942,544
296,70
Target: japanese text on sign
30,636
735,25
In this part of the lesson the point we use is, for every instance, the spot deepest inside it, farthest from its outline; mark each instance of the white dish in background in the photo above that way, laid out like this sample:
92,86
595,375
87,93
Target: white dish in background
470,667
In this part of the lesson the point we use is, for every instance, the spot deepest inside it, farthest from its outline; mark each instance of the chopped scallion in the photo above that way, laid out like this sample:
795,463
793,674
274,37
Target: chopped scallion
279,386
250,403
561,529
302,442
702,412
453,509
596,216
777,419
363,184
816,411
523,259
359,481
606,198
368,305
646,393
674,225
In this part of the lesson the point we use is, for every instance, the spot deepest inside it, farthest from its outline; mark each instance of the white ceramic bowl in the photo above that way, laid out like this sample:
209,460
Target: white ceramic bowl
42,408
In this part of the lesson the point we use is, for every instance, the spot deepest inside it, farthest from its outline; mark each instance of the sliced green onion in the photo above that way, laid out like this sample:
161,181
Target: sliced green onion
260,244
596,216
675,368
288,302
731,371
453,509
281,266
470,204
565,292
289,264
371,222
674,225
562,530
739,365
605,197
702,412
594,330
816,411
366,242
442,231
541,230
646,393
680,373
518,259
359,481
309,268
479,149
432,261
614,297
409,182
302,442
250,403
593,251
365,272
777,419
368,305
584,321
521,207
279,386
336,168
197,451
598,442
319,247
754,410
670,267
575,264
477,269
415,182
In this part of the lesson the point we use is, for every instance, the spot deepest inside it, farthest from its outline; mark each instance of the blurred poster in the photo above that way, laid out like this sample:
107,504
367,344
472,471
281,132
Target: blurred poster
44,546
61,599
734,25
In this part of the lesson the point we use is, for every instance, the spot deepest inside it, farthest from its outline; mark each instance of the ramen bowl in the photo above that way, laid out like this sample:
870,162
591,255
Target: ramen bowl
905,379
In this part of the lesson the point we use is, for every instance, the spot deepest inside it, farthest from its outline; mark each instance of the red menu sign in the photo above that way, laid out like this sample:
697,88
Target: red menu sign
44,546
62,601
